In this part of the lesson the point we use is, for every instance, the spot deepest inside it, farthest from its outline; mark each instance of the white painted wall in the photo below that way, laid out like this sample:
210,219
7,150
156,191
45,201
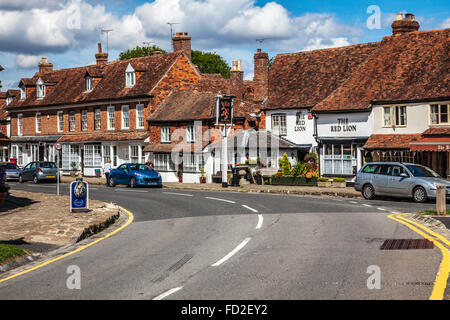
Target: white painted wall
344,125
417,120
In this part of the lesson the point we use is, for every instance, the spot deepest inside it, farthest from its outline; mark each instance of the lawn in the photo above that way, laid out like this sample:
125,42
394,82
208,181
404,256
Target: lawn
432,212
8,252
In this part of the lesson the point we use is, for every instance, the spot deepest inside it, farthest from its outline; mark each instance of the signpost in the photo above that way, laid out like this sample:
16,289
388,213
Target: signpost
58,148
79,196
224,119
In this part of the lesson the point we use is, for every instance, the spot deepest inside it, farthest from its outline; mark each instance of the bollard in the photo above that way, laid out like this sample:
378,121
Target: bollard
440,200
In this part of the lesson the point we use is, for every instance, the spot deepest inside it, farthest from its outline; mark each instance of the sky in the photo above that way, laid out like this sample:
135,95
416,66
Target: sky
67,31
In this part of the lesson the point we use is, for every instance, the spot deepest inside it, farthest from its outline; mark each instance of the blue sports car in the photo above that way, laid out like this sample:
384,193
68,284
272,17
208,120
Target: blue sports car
133,175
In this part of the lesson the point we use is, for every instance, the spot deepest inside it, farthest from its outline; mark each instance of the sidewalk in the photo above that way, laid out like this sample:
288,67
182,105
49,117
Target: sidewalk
297,190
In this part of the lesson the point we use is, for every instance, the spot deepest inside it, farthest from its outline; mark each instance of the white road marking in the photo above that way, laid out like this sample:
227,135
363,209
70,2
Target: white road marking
179,194
367,205
354,202
125,190
381,209
260,221
167,293
232,253
395,212
218,199
251,209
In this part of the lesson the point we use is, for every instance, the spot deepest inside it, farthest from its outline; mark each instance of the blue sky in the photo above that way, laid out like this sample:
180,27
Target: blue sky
67,31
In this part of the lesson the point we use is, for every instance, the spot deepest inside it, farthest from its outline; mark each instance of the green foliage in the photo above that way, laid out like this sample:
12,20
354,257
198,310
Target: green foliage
139,52
299,169
285,165
210,62
323,179
311,157
8,251
339,180
432,212
271,60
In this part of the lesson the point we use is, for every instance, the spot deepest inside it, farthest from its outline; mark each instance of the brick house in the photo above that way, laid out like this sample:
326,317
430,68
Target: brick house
96,112
5,96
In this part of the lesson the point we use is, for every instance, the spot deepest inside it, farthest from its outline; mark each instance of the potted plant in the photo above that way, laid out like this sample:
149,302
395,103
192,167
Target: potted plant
74,167
180,175
323,182
202,175
4,187
339,183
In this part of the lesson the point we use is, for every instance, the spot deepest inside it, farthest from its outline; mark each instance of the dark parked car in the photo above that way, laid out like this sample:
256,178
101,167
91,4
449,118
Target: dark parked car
133,175
399,180
11,169
39,171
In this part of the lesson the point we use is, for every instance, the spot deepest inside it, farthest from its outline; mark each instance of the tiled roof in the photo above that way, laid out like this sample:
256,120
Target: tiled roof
304,79
409,67
437,131
390,141
68,85
104,136
169,147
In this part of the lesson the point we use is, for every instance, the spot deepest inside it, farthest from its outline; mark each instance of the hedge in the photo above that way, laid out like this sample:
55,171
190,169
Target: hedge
293,181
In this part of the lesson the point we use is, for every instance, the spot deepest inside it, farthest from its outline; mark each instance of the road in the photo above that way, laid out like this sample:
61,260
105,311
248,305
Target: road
187,244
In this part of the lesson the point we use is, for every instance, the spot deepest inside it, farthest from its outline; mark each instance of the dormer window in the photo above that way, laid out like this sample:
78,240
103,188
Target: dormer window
89,84
130,76
40,89
23,93
8,100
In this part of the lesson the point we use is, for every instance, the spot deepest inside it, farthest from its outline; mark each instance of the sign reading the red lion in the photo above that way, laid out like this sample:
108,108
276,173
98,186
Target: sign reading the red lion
224,110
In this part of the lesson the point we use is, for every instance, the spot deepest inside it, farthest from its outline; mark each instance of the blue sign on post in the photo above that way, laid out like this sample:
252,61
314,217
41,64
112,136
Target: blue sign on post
79,196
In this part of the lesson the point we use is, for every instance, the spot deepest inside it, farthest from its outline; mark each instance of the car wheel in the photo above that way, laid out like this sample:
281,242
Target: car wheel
35,180
420,195
132,182
21,179
368,192
112,183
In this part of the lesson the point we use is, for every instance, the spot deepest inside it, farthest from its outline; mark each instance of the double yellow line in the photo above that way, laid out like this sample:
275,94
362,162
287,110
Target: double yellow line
440,283
130,219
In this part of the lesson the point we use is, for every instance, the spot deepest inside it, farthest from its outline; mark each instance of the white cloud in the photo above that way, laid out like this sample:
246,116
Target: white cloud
446,23
27,62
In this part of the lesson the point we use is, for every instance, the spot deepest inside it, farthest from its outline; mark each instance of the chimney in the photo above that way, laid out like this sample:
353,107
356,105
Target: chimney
182,42
45,66
101,57
261,75
237,79
404,24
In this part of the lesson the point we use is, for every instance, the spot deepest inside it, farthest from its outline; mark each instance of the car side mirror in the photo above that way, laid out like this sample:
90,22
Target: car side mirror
404,175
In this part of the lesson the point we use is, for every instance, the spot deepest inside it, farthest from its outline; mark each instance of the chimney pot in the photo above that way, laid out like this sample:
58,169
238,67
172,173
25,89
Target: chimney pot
182,42
99,47
45,66
399,16
404,25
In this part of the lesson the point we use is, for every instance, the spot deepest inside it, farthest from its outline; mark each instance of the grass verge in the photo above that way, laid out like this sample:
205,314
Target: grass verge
432,212
9,252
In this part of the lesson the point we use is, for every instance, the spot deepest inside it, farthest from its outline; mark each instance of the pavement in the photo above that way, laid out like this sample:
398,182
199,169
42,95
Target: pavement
197,244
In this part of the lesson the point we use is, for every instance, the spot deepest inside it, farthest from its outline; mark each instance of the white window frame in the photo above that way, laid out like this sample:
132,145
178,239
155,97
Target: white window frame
277,127
93,155
38,122
393,110
40,89
89,84
111,120
60,120
84,120
97,119
439,114
135,153
165,135
163,162
190,133
72,121
20,124
130,76
23,93
140,120
8,100
125,120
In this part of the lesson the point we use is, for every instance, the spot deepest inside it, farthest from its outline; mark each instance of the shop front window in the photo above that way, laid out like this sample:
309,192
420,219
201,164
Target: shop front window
339,159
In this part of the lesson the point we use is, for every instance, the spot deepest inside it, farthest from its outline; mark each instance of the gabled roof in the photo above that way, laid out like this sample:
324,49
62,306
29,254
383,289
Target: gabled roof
405,68
303,79
68,85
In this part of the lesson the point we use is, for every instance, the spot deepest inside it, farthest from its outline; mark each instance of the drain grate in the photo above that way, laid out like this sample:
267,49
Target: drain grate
406,244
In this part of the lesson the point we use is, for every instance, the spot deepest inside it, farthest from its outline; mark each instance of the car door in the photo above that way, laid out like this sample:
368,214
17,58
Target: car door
28,171
25,171
399,181
381,179
122,174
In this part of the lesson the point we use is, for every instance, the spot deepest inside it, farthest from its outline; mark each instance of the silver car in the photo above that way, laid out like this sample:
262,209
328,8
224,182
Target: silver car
39,171
12,171
399,180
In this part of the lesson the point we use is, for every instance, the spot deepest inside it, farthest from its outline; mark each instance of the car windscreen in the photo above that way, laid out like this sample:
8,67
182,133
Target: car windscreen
8,166
421,171
139,167
48,165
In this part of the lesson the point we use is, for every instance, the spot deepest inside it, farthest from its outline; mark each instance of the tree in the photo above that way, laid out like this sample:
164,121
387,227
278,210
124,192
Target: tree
285,165
210,62
139,52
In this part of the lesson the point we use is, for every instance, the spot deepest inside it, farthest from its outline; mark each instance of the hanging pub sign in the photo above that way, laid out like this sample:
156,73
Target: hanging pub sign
79,196
224,112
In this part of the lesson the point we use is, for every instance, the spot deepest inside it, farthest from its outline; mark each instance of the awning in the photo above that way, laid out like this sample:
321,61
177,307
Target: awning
431,144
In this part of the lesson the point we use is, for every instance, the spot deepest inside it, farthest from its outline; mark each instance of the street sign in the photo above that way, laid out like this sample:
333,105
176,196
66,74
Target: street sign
79,196
58,146
224,113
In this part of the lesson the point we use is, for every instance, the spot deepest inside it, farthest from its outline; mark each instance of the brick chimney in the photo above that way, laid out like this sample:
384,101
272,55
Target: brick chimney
45,66
404,24
237,79
182,41
261,75
101,57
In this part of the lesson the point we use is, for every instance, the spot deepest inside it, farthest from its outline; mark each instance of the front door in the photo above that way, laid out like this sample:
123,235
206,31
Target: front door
41,153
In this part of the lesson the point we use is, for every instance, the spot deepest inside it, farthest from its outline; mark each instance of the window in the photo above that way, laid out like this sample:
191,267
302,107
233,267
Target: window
89,84
165,134
142,154
339,159
192,162
279,124
8,100
163,162
40,89
20,124
106,154
300,118
394,116
439,114
140,117
20,156
134,154
84,120
125,117
98,119
111,120
23,93
72,121
71,157
92,155
130,76
190,134
60,121
38,122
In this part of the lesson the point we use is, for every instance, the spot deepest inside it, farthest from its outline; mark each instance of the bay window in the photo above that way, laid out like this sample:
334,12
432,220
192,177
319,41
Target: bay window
92,155
163,162
71,156
339,159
